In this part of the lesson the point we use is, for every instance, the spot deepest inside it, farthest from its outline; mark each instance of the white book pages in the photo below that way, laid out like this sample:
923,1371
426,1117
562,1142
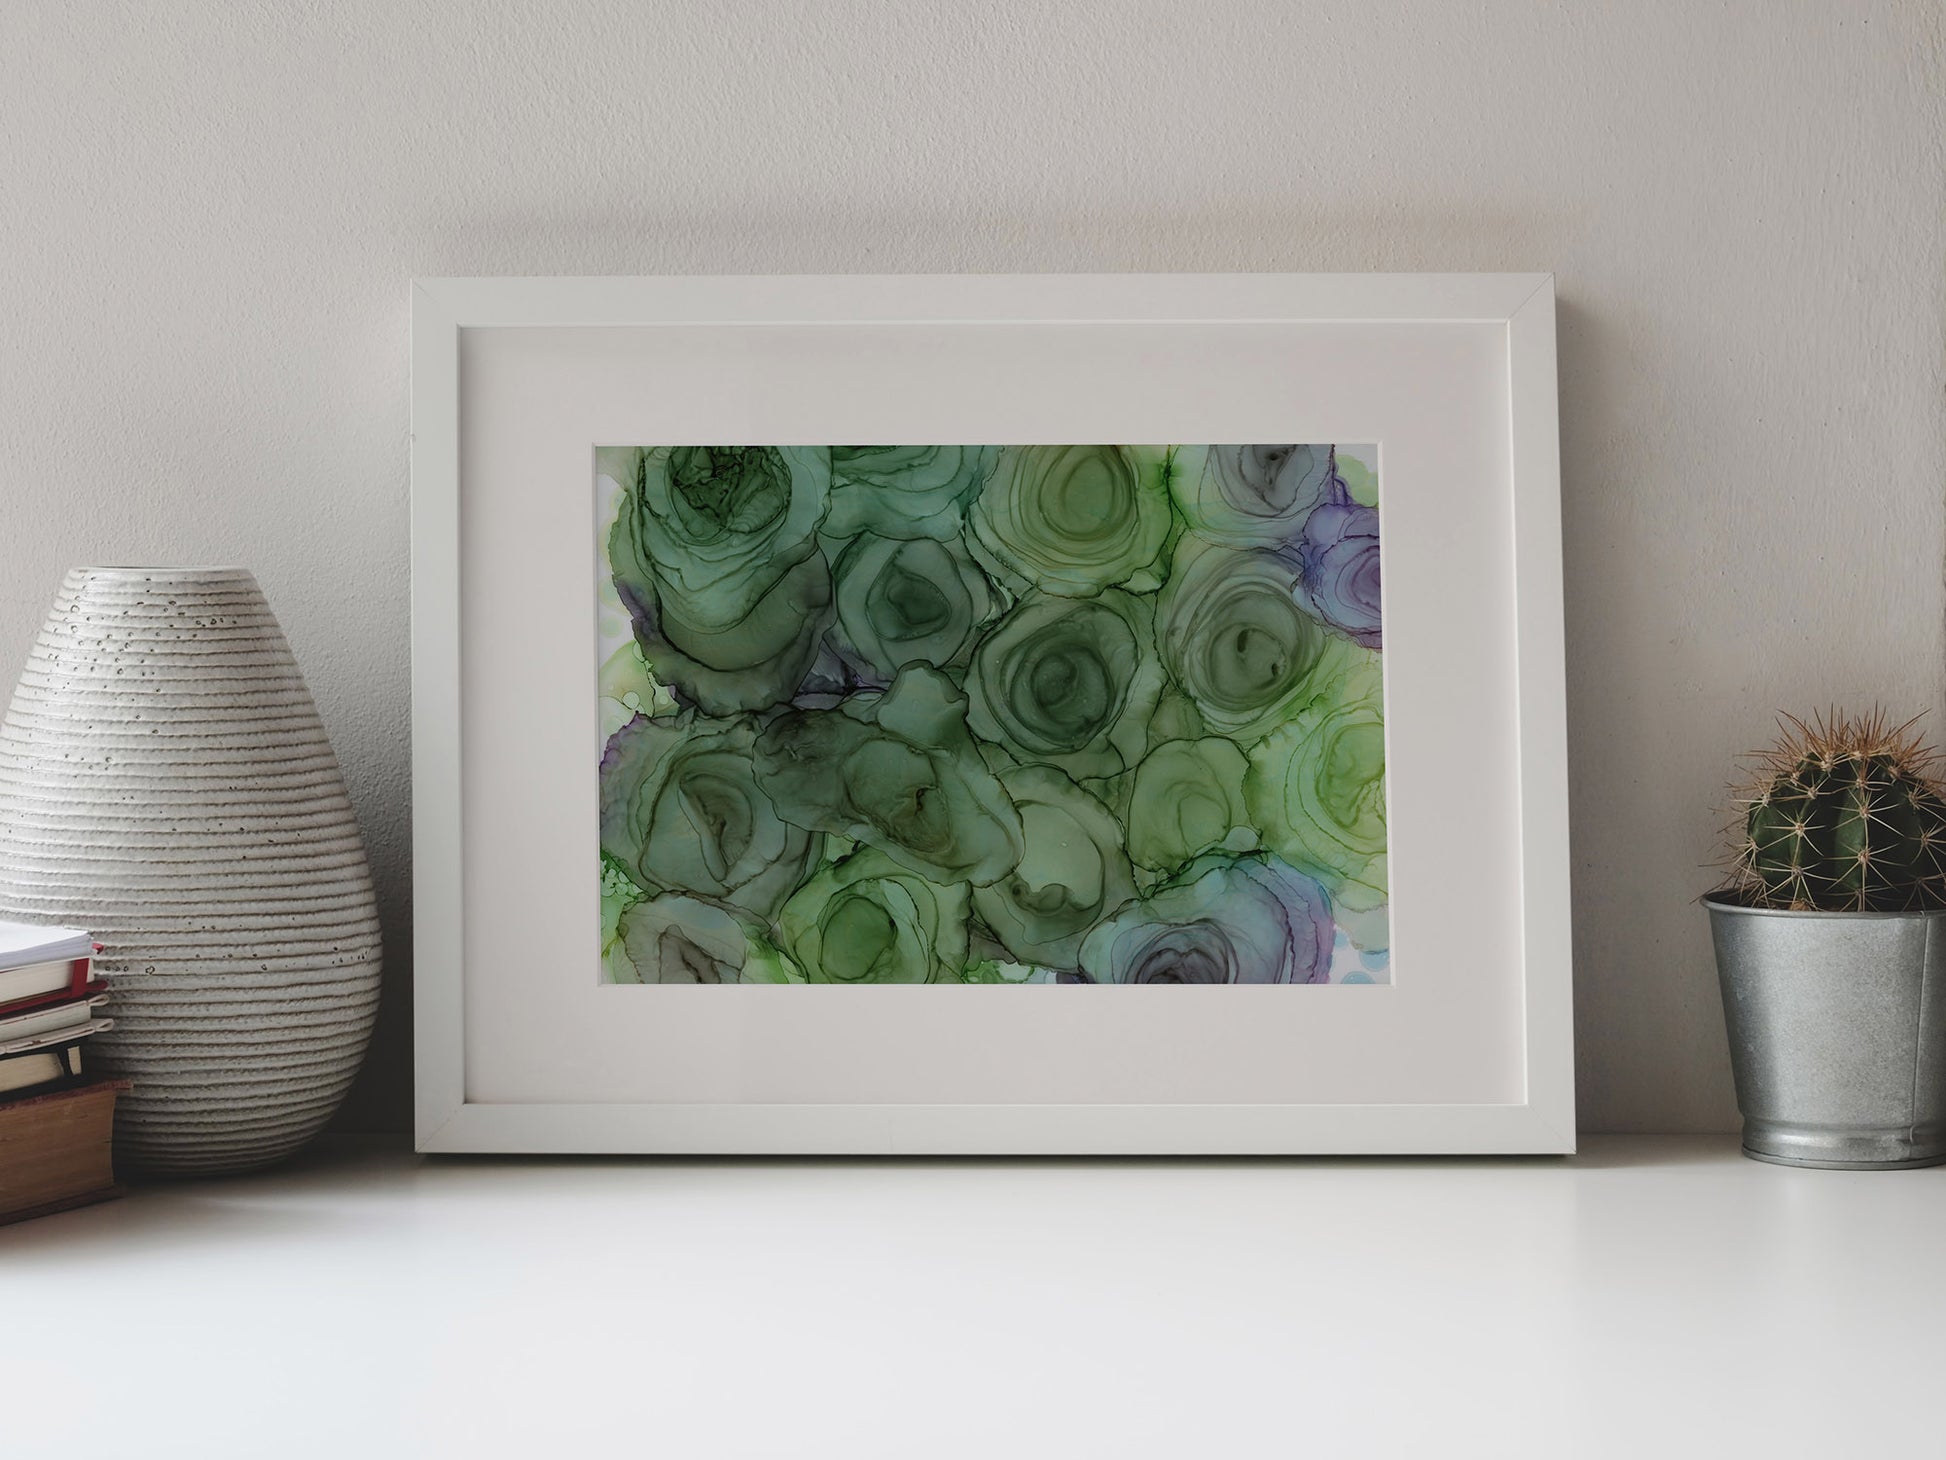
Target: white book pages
36,943
55,1037
43,1021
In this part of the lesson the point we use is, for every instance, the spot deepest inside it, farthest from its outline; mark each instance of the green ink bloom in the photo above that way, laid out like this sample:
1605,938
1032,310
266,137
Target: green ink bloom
1231,633
996,970
1072,520
679,939
628,689
904,491
752,665
1316,787
681,810
1072,872
1250,496
896,771
866,919
1188,799
618,894
710,529
715,556
1361,482
989,714
1069,682
906,602
1176,718
1221,920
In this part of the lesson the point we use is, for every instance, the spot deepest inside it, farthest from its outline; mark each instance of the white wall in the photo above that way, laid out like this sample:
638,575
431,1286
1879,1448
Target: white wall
209,212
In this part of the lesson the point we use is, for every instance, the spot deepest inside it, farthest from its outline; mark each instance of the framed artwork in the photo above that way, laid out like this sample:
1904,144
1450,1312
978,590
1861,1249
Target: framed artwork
816,676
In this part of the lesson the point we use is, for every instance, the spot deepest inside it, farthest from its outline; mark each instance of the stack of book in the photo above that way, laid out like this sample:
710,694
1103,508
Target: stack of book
56,1122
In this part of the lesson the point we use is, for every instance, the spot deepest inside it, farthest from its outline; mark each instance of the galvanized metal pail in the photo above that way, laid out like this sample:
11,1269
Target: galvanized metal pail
1837,1025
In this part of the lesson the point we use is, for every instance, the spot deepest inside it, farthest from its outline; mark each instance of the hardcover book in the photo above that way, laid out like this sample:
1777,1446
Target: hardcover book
55,1149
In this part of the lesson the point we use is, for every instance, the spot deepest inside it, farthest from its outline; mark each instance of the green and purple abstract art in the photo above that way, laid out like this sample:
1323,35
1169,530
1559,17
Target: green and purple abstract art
991,714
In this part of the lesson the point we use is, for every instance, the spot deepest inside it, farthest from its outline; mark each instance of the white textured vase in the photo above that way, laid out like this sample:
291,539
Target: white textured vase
165,783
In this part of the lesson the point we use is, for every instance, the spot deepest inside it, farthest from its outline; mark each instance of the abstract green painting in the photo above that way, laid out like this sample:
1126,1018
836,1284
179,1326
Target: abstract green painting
991,714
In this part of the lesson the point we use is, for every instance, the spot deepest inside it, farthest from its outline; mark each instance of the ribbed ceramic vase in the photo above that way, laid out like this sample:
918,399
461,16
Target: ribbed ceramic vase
165,783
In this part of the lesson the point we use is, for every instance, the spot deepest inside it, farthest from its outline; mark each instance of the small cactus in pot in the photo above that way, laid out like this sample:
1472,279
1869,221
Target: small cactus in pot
1845,816
1831,949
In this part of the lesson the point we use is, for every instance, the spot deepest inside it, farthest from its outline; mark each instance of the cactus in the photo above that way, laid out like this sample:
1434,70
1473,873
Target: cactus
1845,817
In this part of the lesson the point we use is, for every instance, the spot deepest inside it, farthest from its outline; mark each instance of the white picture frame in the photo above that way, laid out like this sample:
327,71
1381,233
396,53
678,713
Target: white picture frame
1474,350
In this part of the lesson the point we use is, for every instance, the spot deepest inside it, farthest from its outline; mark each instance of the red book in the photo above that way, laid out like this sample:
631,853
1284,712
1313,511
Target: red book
33,985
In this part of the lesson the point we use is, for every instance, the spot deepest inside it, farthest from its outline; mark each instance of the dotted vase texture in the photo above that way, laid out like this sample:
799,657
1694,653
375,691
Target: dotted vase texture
165,783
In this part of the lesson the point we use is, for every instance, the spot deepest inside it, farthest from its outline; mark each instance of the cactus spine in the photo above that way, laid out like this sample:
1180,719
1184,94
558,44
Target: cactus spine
1845,818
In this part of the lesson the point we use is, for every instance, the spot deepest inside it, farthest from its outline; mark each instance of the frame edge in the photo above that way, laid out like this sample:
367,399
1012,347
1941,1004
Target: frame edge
1540,670
441,307
438,1008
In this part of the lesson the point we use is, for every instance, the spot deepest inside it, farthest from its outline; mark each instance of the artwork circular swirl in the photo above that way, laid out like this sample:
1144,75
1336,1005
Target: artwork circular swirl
992,714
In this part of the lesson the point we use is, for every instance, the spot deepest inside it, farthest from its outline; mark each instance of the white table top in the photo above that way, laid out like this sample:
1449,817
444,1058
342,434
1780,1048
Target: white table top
1650,1297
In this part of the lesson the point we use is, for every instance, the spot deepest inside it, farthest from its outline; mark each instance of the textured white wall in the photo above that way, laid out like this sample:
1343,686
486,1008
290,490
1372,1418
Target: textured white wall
209,212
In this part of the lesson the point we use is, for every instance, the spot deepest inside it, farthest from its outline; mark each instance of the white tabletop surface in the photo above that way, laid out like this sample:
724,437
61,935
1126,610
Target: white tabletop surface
1651,1297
